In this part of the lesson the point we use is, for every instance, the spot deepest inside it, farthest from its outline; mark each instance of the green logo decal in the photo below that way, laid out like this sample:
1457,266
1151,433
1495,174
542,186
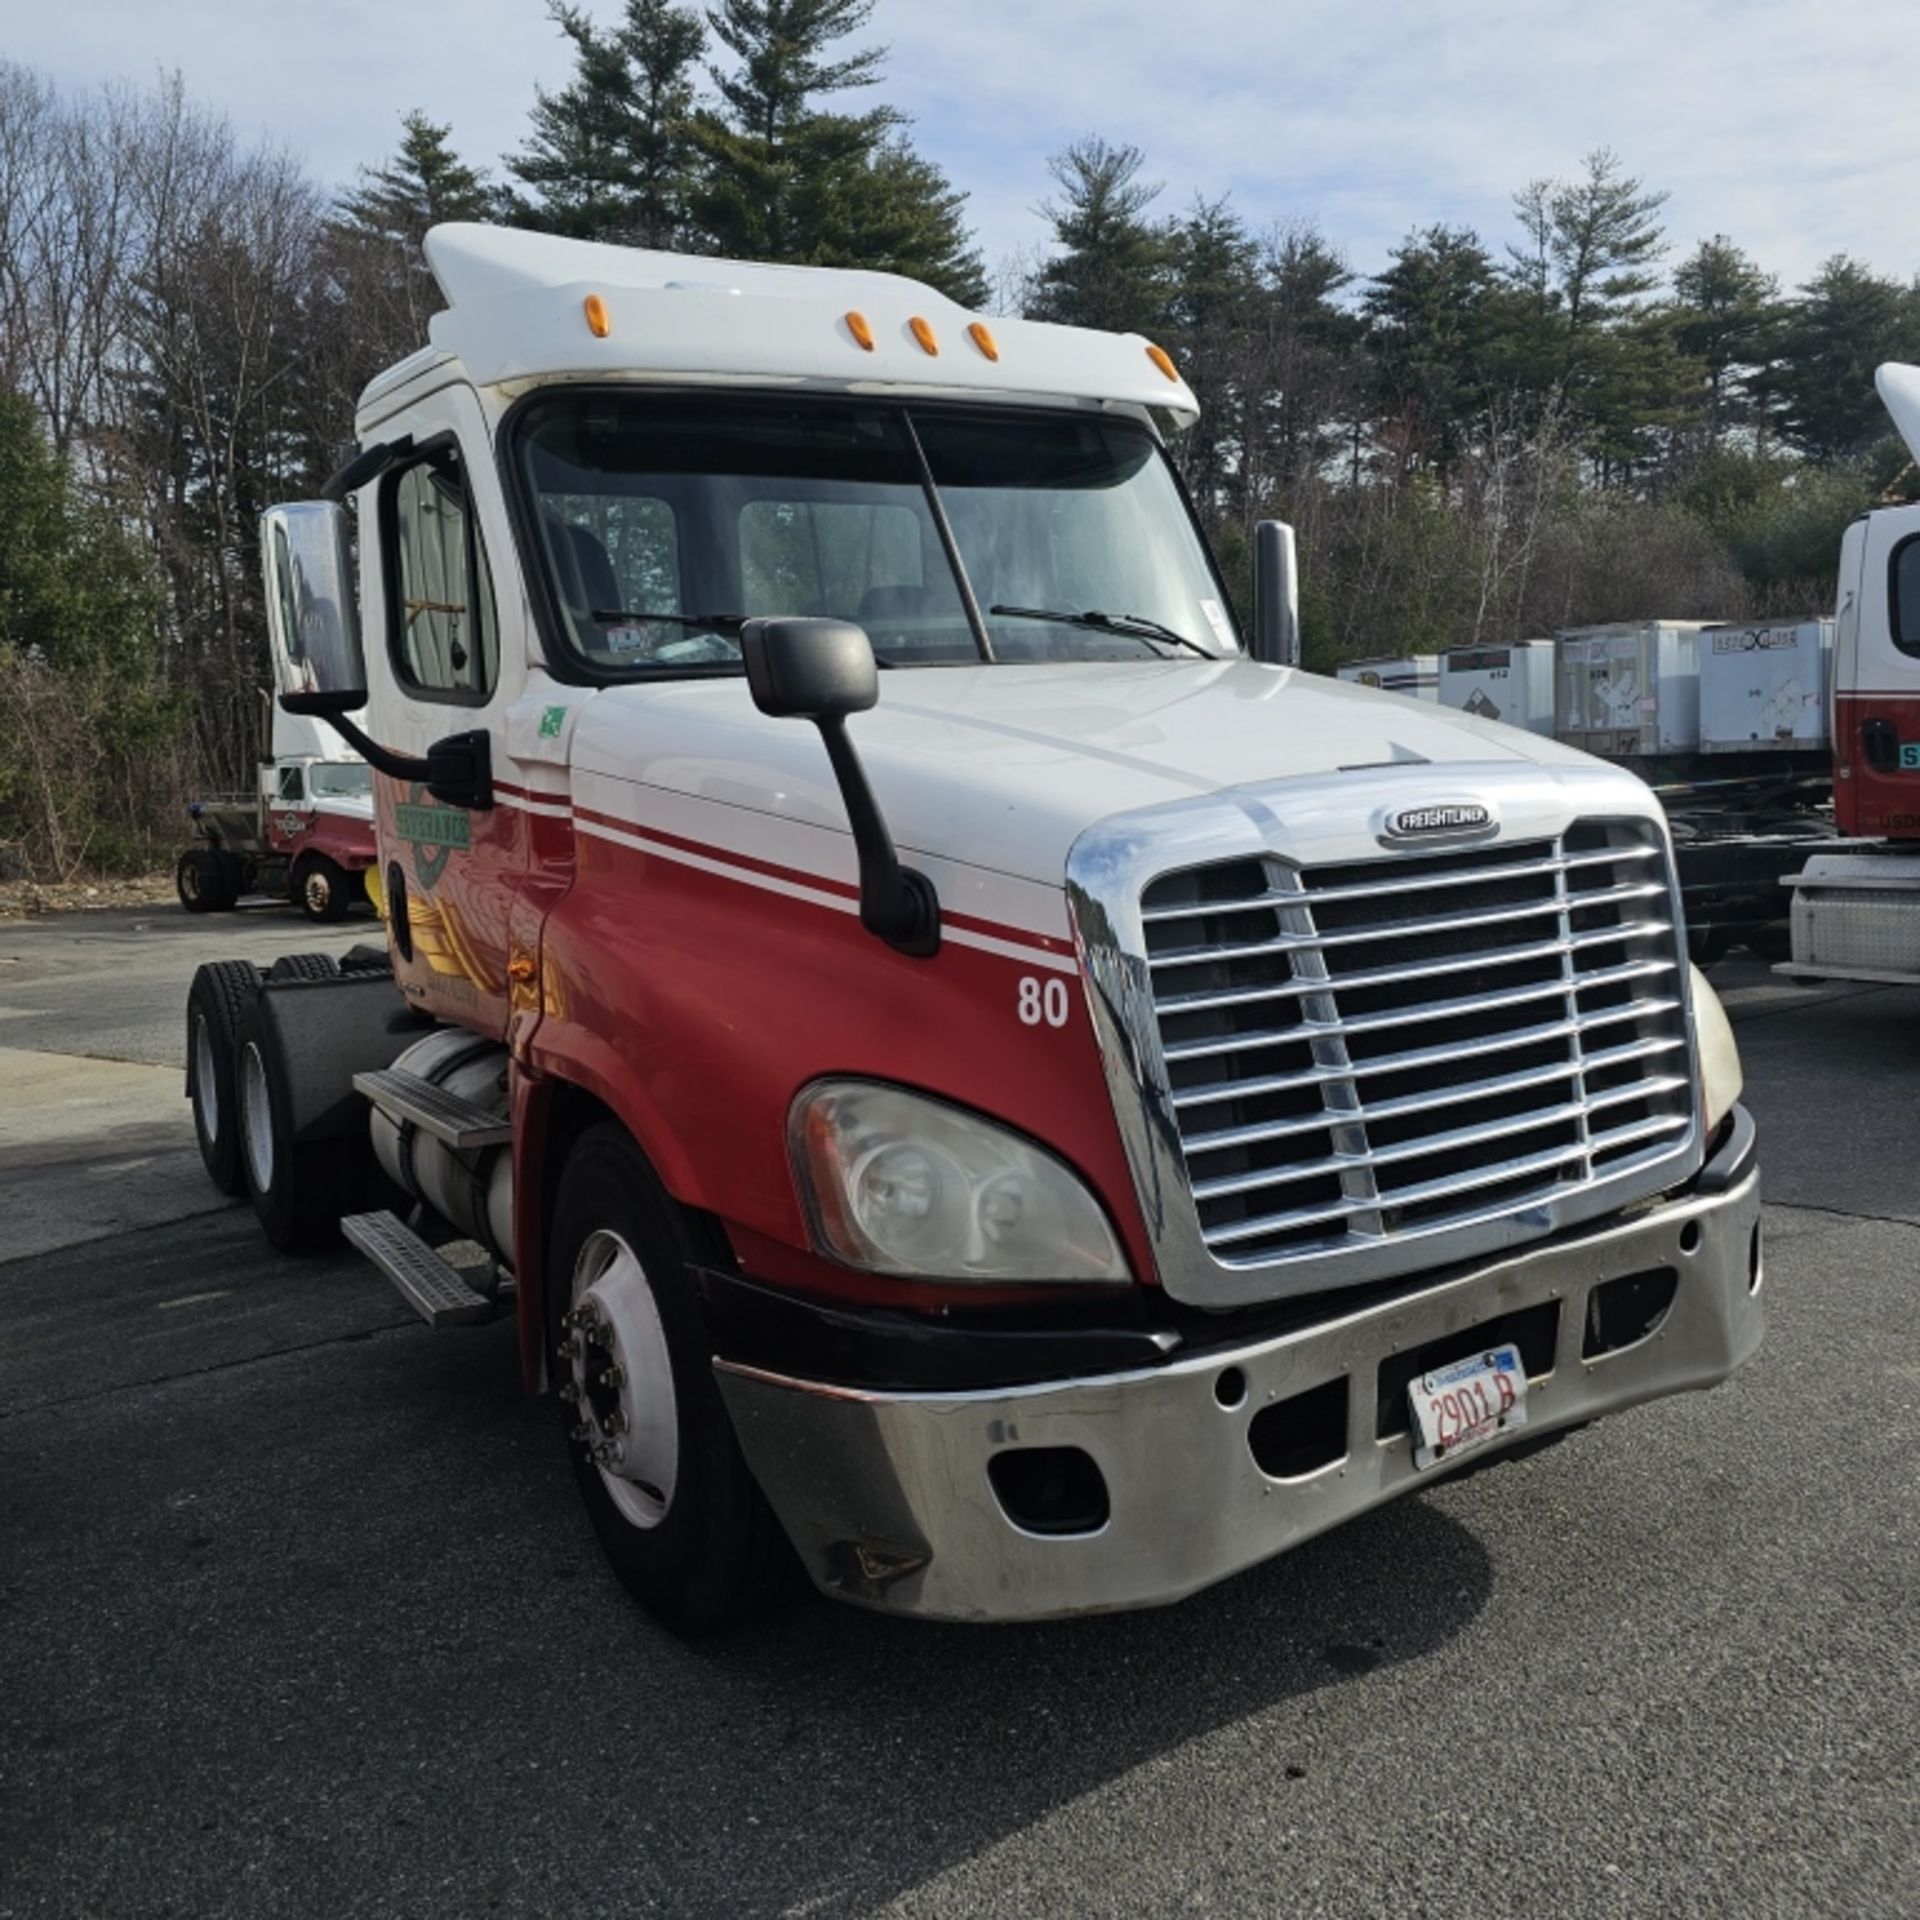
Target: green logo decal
1910,756
551,721
432,831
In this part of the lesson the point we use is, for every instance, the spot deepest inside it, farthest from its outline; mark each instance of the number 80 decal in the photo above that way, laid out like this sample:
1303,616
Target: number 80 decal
1043,1002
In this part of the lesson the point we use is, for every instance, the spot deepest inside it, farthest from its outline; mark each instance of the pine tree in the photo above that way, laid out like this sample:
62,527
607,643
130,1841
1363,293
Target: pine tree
1111,264
1726,318
425,183
611,155
1433,323
379,228
1846,321
1212,327
787,180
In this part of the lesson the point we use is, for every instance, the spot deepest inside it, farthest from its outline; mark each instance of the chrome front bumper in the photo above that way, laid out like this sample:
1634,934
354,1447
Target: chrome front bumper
887,1495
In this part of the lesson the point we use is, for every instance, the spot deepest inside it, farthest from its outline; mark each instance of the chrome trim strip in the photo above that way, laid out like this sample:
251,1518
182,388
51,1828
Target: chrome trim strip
1321,821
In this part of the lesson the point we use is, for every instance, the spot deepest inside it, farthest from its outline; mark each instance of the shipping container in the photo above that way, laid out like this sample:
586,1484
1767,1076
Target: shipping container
1765,686
1513,683
1629,690
1415,674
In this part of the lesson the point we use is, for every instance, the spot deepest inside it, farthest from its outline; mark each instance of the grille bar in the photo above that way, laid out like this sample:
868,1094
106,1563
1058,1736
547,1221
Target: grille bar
1415,1057
1549,908
1469,1003
1416,970
1551,1051
1425,883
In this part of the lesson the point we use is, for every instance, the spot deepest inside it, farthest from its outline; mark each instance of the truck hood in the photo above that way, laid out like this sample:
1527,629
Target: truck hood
1005,767
346,806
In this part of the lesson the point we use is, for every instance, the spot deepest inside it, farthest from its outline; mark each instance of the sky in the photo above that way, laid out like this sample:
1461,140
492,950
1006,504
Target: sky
1778,122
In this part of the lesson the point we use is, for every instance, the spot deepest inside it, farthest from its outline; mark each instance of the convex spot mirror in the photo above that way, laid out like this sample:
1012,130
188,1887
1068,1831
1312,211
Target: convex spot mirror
809,669
313,618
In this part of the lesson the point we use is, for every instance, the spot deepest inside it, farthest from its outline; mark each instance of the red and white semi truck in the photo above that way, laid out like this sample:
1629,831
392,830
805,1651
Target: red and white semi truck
304,834
967,1069
1856,909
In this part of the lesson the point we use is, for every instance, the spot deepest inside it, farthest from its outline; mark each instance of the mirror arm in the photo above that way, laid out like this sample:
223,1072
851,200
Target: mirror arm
457,770
897,904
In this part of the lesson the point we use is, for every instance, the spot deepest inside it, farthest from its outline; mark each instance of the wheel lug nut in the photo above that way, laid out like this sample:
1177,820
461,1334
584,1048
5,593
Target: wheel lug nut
613,1377
570,1392
583,1431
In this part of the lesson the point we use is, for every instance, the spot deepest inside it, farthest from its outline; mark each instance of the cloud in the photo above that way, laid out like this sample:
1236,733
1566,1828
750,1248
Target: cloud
1770,120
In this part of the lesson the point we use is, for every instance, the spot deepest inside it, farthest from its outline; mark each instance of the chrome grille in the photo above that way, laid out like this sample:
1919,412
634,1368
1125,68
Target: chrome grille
1375,1050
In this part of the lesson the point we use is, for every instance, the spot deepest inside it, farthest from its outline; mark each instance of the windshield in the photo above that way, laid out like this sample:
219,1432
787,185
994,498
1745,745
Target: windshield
950,536
340,779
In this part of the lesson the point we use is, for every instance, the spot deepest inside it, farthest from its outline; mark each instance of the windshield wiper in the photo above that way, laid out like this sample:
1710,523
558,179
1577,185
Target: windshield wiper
720,623
1135,626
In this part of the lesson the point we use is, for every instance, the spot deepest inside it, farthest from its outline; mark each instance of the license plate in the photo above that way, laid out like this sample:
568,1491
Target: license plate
1459,1407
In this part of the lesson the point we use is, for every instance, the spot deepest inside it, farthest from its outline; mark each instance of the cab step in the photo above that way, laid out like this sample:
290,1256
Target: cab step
438,1293
459,1123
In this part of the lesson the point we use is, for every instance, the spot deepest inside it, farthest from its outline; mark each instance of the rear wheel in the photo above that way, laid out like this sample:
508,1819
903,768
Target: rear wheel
204,882
304,966
299,1188
324,890
677,1512
216,1003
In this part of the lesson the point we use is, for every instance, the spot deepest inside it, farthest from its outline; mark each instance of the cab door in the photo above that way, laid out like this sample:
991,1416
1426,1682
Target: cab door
1876,706
447,655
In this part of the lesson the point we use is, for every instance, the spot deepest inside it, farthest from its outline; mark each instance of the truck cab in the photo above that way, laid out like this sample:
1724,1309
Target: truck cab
1856,910
969,1070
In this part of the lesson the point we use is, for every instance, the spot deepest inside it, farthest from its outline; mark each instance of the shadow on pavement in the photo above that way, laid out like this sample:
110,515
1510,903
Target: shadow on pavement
328,1633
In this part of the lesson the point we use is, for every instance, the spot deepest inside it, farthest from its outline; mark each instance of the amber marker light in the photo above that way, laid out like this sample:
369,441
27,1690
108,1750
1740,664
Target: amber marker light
1162,359
924,334
982,337
598,323
857,326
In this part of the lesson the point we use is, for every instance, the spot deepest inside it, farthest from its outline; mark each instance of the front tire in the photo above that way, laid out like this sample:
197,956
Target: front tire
687,1530
323,889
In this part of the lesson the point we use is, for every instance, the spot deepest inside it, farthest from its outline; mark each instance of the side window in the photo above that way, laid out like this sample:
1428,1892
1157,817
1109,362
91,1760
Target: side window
1904,607
293,784
444,633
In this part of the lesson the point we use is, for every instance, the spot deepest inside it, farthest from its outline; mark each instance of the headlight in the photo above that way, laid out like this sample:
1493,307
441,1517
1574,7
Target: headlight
898,1183
1720,1076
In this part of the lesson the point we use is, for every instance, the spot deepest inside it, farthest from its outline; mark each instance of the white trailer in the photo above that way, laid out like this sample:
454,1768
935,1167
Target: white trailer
1765,687
1513,683
1417,675
1630,690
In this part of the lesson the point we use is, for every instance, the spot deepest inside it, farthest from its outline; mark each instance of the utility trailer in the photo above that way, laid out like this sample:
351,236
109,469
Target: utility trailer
304,834
1513,684
1030,1131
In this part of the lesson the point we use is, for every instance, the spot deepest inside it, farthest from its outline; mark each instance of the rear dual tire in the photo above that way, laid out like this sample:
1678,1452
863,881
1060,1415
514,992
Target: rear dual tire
207,880
300,1189
217,1003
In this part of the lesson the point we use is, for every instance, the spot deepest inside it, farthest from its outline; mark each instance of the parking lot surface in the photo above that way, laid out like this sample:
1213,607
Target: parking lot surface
301,1614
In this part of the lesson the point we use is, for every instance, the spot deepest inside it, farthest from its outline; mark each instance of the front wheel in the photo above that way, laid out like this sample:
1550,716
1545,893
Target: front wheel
688,1532
323,889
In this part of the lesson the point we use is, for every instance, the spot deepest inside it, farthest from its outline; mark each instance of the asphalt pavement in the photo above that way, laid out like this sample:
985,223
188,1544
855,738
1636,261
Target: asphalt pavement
299,1613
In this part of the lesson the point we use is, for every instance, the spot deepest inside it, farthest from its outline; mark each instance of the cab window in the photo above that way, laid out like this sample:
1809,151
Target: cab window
292,786
1905,597
445,636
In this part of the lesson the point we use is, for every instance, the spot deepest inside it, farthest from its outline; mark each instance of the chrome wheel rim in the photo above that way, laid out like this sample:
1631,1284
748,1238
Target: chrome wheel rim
319,892
206,1083
256,1118
620,1380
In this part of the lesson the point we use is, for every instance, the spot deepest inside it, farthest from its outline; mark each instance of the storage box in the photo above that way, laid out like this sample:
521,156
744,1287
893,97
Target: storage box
1415,674
1629,690
1765,686
1513,683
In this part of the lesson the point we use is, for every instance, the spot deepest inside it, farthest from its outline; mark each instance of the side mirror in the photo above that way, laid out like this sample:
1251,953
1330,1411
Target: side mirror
823,670
313,617
809,669
1276,595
